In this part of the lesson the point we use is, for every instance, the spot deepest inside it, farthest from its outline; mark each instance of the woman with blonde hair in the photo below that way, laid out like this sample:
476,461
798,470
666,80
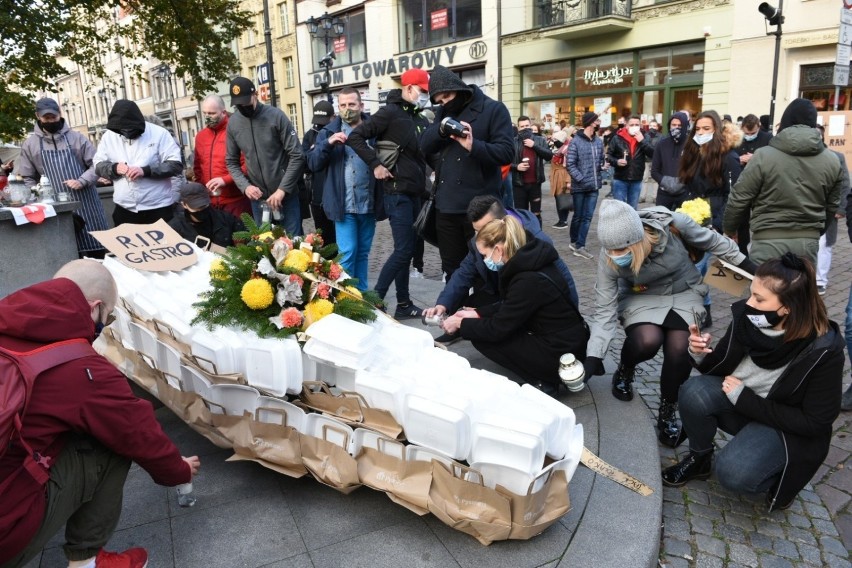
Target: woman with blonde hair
535,322
773,382
560,180
648,282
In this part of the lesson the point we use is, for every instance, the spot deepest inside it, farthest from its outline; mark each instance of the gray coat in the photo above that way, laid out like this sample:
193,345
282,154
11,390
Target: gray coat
29,164
668,280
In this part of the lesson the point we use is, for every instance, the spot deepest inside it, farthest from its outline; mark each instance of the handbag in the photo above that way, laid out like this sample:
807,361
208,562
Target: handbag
425,223
388,152
565,202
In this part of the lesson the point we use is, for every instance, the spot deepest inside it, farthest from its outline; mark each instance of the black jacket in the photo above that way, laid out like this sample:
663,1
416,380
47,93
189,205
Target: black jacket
666,161
749,147
401,122
618,148
532,304
542,154
802,404
460,175
313,180
716,195
219,229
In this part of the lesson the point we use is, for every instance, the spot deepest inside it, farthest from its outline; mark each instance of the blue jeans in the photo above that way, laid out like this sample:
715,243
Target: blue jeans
702,266
627,191
584,210
354,239
291,214
401,210
507,193
752,462
848,325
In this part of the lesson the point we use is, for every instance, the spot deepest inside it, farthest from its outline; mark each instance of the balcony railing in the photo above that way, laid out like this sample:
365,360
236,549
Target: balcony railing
569,12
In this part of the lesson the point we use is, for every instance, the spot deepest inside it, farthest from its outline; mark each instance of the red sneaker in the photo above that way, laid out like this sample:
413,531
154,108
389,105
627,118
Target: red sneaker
130,558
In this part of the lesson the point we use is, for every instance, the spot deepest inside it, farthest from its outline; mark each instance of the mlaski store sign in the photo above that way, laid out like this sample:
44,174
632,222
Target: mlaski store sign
607,76
398,65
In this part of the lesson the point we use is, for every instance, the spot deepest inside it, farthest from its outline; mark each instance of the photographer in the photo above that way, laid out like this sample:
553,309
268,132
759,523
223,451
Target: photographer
470,157
531,152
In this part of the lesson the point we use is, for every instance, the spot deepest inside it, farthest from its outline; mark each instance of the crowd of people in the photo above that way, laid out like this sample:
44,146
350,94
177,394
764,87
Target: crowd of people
773,381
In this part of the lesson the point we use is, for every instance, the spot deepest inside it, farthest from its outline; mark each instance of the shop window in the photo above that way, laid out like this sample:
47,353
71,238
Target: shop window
424,23
550,79
349,48
605,72
816,85
681,64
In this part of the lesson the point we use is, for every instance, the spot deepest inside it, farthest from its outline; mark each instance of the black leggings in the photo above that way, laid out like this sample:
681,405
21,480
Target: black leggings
645,339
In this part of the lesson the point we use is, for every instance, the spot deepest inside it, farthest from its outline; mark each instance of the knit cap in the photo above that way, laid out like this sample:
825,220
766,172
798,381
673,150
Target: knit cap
799,111
619,225
589,118
442,80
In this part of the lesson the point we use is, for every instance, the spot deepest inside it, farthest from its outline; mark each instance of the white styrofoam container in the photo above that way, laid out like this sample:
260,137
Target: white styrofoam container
144,305
438,421
273,365
269,409
211,347
385,390
237,343
178,325
419,453
122,325
575,451
329,429
364,438
493,474
439,363
561,440
195,381
237,399
309,367
334,375
340,341
522,415
503,444
399,342
168,359
144,341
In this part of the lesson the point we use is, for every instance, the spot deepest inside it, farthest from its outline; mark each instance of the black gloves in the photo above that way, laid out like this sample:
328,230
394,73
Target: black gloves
593,366
748,265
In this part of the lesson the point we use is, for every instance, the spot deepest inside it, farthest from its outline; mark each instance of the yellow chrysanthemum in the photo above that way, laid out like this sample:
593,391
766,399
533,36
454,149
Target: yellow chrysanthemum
698,209
257,293
264,236
218,270
318,309
351,292
297,260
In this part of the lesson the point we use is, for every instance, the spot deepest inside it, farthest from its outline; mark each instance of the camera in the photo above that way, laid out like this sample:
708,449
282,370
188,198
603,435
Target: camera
328,60
452,127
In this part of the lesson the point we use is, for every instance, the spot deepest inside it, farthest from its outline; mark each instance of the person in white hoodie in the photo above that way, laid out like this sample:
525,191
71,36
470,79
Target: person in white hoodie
140,158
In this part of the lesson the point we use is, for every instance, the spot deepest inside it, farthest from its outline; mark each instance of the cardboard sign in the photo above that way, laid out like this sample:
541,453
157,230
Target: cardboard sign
155,247
727,277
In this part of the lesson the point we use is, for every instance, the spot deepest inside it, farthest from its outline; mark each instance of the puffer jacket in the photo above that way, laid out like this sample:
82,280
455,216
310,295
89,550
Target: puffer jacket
619,148
802,404
792,186
668,280
585,160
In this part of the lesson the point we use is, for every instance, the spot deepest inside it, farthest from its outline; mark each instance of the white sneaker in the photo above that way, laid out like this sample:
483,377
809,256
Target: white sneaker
583,253
415,273
572,247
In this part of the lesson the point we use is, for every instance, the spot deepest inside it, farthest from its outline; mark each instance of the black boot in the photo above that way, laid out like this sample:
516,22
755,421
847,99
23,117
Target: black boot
669,426
693,466
622,382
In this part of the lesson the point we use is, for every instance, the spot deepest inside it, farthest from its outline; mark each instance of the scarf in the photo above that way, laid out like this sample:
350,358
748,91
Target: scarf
766,351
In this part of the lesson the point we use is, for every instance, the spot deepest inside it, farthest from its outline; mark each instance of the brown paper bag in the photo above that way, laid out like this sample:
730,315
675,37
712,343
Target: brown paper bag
193,410
109,346
329,463
275,446
376,419
534,512
405,482
321,400
166,334
204,365
145,375
469,506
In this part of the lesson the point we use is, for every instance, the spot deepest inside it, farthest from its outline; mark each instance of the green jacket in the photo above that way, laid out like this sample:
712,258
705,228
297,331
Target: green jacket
794,184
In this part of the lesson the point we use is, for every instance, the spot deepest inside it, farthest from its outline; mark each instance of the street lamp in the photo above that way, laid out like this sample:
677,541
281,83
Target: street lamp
326,27
164,73
774,17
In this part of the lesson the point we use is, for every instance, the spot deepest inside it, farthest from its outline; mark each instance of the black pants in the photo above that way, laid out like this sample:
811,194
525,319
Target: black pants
121,215
454,231
528,196
323,223
668,200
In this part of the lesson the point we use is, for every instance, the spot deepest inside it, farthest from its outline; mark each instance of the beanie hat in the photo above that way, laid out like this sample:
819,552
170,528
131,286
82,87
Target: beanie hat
589,118
619,225
442,80
799,111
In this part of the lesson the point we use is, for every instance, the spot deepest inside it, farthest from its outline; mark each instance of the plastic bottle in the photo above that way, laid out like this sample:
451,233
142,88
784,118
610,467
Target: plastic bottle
184,495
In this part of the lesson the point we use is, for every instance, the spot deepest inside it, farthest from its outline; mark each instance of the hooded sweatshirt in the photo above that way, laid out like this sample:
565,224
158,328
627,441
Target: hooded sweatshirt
667,153
30,166
129,139
87,396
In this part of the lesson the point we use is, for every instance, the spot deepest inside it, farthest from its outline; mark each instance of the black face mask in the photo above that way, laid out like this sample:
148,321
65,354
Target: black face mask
675,133
455,106
52,127
202,216
246,110
762,319
132,133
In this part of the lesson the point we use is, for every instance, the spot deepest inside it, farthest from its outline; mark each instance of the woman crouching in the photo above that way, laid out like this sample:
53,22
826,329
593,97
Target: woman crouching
535,322
773,382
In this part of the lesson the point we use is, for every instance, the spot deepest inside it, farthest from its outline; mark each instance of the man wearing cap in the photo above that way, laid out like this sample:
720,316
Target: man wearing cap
351,195
467,165
315,180
273,156
399,122
789,191
198,218
585,162
65,157
209,162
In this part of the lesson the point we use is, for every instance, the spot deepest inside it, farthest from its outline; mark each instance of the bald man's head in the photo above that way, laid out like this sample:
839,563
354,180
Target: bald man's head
95,281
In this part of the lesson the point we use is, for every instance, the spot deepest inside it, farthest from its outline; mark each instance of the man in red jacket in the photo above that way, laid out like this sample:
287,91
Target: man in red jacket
84,422
209,161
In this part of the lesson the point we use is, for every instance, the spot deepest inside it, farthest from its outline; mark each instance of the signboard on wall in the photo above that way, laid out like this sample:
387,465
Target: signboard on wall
439,19
838,131
602,106
548,111
340,45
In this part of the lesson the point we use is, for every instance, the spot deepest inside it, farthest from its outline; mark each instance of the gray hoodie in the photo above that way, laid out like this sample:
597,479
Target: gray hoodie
29,164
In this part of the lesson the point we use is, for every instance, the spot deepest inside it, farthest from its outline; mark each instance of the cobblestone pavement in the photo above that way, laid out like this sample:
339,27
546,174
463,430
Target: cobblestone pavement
705,525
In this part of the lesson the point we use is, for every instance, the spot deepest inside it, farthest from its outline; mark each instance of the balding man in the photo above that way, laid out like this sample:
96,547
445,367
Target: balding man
83,427
209,162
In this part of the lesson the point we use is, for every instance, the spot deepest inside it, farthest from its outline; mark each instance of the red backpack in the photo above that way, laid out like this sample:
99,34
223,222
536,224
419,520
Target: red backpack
18,372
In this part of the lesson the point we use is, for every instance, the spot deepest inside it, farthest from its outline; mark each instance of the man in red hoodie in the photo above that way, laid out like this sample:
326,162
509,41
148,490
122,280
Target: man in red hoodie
84,423
209,161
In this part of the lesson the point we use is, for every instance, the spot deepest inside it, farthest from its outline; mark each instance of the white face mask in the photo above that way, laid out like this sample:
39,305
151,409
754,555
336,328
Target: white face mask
423,100
702,139
633,130
750,137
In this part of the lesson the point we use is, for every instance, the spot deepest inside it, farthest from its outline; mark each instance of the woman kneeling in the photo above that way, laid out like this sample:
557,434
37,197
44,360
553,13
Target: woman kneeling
773,382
